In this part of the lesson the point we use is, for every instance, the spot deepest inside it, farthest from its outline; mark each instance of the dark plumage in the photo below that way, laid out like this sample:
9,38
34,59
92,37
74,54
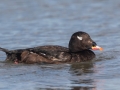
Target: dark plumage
79,50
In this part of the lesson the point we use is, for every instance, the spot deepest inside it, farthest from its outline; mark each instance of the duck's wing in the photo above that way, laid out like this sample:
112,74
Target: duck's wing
52,52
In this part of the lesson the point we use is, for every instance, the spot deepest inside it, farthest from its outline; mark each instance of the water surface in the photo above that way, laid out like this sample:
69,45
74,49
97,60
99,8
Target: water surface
30,23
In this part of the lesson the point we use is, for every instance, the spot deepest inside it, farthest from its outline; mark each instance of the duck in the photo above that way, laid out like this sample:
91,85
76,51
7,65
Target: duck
79,50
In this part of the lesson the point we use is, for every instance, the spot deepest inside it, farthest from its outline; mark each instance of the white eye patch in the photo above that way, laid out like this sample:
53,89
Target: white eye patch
80,38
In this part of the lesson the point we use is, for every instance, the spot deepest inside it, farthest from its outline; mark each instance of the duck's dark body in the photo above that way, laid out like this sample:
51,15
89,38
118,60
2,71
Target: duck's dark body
48,54
78,51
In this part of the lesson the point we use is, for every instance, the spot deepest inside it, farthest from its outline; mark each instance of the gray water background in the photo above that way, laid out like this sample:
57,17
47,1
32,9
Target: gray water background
30,23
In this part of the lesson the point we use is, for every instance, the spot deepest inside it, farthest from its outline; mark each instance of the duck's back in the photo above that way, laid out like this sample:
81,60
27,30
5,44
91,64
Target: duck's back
49,48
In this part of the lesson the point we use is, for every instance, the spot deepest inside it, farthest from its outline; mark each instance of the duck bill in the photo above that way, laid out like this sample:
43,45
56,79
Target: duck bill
97,48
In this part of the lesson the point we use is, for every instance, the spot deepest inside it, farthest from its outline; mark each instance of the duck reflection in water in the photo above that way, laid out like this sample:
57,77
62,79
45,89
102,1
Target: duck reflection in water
82,76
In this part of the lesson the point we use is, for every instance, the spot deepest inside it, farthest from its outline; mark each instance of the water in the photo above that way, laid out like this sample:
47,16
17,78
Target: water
29,23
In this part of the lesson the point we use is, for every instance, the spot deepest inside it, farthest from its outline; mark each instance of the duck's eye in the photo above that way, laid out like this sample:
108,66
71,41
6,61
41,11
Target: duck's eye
80,38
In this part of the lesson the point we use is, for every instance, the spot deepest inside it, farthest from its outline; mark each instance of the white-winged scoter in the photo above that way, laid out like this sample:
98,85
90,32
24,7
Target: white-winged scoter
79,49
